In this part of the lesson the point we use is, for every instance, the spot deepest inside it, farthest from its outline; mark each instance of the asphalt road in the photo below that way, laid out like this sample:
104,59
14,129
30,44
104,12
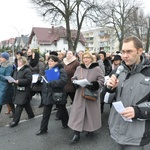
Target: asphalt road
23,136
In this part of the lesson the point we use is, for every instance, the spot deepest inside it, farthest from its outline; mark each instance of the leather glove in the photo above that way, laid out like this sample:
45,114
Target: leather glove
90,87
94,86
75,85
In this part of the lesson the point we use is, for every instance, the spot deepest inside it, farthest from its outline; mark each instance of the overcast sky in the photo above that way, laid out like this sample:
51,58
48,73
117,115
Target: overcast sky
18,17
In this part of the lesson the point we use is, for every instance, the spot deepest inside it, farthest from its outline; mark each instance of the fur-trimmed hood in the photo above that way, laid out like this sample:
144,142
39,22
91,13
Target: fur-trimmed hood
6,63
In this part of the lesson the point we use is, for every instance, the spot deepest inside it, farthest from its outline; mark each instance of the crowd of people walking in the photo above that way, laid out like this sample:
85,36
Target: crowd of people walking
60,75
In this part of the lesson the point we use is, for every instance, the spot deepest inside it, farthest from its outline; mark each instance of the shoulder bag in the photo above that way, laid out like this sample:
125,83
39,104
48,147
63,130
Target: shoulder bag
58,97
89,94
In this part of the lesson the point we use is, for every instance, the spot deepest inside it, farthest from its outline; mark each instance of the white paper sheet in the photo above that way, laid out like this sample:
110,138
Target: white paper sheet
82,82
44,79
120,108
9,78
106,97
35,78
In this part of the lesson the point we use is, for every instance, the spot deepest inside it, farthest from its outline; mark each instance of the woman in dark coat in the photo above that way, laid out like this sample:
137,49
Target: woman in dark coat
37,67
70,63
48,89
22,84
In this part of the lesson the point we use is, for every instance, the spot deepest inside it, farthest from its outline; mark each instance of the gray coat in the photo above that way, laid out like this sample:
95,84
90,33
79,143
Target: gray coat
133,88
85,114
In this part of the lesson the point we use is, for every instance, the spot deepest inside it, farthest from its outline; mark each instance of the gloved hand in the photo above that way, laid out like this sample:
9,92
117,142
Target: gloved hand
48,84
75,85
89,86
94,86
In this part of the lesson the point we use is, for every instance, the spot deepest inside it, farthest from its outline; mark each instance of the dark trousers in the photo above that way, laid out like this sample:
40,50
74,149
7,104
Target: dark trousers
46,115
0,108
71,94
19,109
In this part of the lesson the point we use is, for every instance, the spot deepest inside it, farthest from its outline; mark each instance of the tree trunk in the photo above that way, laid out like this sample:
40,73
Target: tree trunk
148,37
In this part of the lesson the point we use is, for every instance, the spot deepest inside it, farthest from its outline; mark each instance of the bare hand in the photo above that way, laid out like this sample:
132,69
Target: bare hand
9,81
16,81
33,55
112,82
128,113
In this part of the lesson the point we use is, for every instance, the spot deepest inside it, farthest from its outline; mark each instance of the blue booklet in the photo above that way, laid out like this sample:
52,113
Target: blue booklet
52,74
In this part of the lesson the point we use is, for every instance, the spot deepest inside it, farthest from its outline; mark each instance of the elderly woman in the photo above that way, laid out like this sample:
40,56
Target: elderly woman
85,114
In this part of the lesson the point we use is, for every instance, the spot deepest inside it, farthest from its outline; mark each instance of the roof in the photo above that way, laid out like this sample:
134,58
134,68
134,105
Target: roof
51,35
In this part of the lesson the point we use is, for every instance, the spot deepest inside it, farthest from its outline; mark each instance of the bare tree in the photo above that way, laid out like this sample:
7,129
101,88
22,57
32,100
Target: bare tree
116,14
68,11
148,35
140,27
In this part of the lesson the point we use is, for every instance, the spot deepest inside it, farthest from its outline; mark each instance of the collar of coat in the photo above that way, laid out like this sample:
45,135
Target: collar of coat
145,63
93,65
68,61
59,65
6,64
23,67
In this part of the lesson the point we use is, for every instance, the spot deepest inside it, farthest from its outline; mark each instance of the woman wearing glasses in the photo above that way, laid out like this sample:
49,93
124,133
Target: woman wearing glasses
85,114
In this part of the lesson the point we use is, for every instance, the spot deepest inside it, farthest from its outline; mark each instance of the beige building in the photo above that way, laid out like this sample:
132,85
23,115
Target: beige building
100,39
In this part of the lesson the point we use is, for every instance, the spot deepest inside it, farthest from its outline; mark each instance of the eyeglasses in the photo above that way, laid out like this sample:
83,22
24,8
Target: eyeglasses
86,57
127,51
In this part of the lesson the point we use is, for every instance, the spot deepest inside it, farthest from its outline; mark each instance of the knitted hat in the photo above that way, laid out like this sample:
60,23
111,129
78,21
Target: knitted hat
5,55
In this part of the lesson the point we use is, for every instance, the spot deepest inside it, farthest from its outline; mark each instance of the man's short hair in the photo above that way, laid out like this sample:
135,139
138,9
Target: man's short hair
137,42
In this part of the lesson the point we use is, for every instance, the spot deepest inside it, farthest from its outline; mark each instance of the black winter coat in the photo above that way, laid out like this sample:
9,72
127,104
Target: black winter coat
22,89
108,67
54,86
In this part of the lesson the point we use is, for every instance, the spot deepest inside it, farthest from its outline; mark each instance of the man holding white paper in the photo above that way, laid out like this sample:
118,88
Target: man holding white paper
129,123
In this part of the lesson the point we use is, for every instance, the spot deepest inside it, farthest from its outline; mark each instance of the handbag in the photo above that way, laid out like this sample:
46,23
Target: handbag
90,95
58,97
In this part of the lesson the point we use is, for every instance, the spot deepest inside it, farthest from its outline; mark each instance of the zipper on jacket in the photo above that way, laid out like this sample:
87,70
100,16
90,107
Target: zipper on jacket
127,76
121,88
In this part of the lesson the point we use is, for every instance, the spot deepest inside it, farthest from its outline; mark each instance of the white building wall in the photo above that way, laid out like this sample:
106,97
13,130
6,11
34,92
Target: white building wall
61,45
80,47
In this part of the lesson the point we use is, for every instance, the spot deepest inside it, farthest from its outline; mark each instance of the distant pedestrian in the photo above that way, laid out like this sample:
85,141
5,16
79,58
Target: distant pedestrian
37,67
107,62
